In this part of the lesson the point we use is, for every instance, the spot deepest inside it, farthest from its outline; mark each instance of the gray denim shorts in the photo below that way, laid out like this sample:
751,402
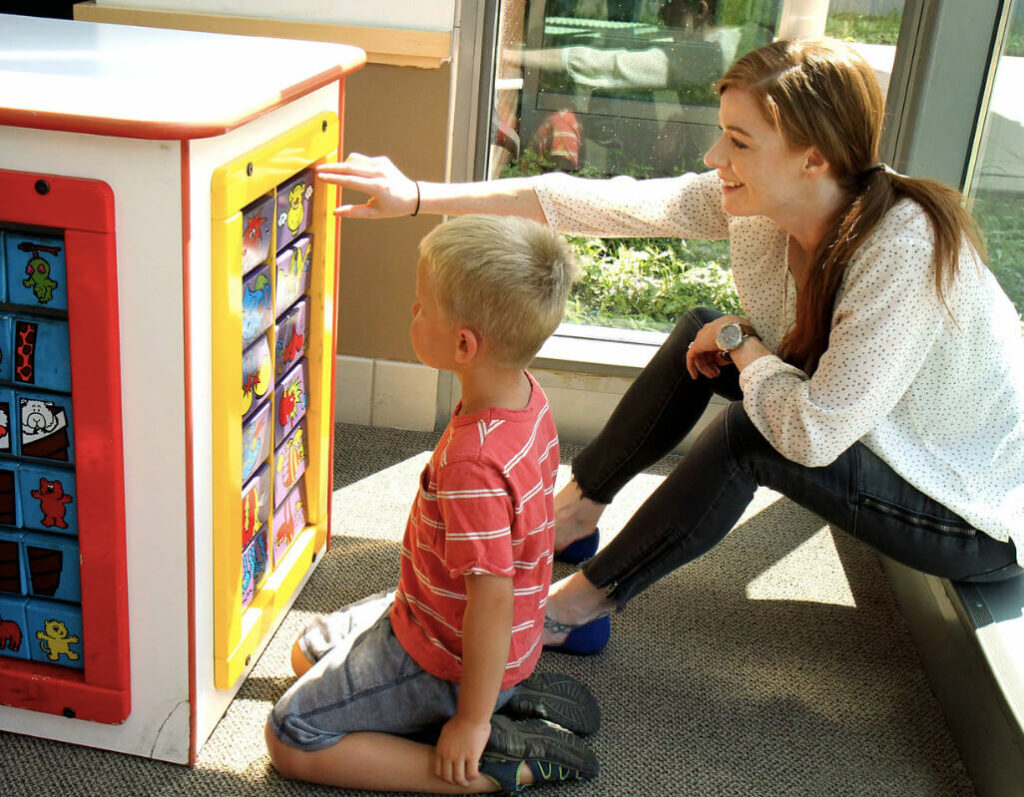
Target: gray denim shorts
362,680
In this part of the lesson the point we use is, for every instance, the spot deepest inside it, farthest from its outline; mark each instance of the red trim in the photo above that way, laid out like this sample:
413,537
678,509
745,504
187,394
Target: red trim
190,526
84,210
165,130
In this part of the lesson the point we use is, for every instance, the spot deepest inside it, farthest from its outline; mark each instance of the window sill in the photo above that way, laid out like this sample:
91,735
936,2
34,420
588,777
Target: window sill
598,350
970,638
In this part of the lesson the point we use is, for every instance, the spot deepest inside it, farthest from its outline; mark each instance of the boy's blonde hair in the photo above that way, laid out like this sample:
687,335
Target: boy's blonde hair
504,277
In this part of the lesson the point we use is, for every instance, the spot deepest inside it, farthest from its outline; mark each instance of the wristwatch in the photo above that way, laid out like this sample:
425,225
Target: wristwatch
732,335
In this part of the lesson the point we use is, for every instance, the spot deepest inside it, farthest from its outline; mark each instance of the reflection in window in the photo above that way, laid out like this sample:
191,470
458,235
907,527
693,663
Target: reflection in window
997,187
600,88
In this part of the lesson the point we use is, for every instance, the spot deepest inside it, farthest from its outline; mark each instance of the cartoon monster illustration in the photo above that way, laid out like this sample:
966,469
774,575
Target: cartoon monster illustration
256,306
294,519
246,581
10,635
55,640
38,271
289,278
251,446
291,349
252,237
292,403
254,564
251,523
295,208
289,461
256,377
296,263
53,501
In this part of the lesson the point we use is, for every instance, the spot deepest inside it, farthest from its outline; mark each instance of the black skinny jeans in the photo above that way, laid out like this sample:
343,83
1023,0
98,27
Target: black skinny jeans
697,505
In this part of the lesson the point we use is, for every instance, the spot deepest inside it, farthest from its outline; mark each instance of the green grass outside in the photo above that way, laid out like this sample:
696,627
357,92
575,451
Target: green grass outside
1002,220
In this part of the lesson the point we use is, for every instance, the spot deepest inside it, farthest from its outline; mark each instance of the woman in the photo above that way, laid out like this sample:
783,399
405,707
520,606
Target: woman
877,377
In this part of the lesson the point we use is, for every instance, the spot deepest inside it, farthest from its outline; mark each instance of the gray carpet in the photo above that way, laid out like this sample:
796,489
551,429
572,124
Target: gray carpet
776,665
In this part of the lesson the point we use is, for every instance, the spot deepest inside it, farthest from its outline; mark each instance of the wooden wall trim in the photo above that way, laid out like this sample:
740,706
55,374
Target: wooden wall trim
392,46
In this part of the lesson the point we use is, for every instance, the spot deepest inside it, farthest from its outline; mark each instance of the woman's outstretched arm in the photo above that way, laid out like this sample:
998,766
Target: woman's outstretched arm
392,194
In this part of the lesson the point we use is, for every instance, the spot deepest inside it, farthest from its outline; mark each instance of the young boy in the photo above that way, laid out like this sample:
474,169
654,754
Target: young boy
462,632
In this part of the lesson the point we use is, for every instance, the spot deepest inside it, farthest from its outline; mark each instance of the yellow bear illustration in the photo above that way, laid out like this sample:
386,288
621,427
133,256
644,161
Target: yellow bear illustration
55,640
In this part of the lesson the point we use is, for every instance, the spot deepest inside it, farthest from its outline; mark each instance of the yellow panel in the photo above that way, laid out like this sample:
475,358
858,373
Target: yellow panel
252,175
238,634
226,414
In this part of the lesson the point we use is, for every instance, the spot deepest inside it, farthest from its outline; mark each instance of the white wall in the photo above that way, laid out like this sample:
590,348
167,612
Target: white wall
432,15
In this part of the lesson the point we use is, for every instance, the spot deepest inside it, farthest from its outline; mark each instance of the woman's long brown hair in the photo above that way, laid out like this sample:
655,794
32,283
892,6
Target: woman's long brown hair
824,94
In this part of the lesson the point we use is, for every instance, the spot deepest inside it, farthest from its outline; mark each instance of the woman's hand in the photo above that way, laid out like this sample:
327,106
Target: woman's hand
703,356
392,194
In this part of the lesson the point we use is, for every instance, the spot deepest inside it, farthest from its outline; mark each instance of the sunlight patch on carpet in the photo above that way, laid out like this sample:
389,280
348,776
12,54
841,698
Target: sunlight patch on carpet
378,506
811,572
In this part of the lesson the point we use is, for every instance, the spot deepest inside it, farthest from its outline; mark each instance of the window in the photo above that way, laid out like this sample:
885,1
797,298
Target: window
996,187
607,87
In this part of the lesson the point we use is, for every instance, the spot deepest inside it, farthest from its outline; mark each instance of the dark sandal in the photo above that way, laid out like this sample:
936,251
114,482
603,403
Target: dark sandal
557,698
553,754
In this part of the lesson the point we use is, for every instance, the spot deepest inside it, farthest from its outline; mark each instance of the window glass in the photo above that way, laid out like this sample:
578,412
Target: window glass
599,88
997,185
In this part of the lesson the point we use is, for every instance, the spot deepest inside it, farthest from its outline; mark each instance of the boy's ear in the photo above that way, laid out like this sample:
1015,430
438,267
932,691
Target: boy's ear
467,345
814,162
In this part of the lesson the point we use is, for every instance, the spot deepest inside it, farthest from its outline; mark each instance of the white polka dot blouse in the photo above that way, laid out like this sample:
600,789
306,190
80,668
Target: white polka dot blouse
937,394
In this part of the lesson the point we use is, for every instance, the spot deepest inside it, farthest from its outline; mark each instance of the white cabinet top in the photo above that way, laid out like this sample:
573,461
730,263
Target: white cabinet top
153,83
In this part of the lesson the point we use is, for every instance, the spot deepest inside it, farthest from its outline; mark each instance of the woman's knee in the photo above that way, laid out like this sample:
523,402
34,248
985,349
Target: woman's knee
740,433
693,320
742,442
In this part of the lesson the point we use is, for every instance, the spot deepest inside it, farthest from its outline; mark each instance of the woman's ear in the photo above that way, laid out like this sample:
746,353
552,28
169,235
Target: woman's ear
467,345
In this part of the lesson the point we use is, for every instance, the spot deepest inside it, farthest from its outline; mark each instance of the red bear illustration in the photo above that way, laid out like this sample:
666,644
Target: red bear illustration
52,501
10,635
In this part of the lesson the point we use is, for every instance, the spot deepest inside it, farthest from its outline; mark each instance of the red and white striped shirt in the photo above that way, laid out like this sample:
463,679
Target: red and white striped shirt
485,505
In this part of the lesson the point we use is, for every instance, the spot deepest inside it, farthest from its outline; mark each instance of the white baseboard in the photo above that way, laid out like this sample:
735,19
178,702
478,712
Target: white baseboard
413,396
387,393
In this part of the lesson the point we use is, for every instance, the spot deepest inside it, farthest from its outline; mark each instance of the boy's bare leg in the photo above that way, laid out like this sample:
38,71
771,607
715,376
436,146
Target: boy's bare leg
575,516
375,762
300,664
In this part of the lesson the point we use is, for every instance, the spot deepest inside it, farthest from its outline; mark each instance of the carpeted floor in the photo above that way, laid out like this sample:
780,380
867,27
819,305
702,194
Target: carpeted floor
776,665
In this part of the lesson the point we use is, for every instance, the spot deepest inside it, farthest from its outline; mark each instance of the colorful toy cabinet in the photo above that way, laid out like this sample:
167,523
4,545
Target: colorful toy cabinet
162,235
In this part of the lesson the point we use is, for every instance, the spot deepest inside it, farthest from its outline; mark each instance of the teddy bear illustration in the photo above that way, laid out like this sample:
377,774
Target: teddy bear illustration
55,640
38,417
53,501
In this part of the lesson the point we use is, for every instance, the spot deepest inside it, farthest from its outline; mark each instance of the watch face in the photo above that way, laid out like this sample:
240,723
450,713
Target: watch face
729,337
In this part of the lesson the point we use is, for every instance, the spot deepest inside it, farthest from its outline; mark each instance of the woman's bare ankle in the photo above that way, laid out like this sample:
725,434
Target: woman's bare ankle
575,516
574,601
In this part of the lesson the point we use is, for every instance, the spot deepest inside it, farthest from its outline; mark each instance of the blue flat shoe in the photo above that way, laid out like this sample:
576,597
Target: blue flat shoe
581,550
586,639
